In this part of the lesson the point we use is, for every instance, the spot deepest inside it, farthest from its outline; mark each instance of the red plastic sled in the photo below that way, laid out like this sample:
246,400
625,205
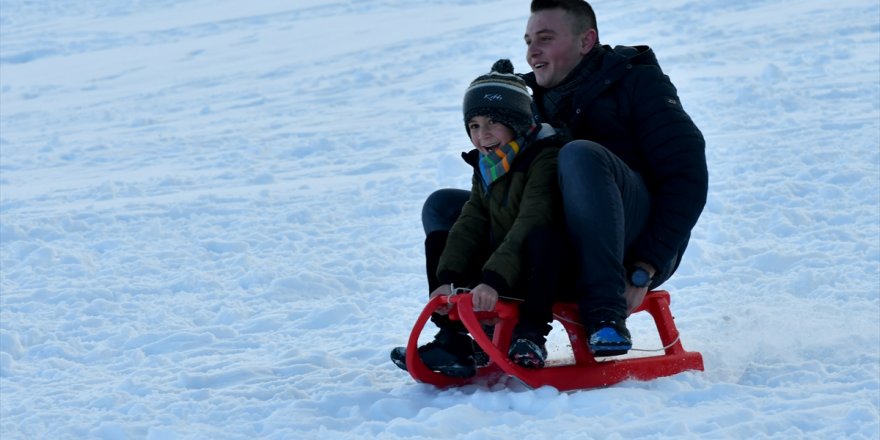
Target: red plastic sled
586,372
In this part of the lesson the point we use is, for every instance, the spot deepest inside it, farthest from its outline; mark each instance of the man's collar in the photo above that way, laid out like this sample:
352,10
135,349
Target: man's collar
590,63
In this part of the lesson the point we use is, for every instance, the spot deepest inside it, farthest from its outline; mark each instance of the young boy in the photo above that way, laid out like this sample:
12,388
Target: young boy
505,242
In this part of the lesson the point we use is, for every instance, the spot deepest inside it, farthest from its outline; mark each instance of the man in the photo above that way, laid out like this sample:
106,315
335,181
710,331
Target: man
633,184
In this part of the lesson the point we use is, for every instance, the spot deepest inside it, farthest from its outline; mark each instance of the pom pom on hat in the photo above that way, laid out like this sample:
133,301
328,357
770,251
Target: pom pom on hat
502,96
503,66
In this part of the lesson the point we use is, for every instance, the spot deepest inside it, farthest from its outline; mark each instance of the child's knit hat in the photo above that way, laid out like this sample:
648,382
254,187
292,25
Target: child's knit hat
502,96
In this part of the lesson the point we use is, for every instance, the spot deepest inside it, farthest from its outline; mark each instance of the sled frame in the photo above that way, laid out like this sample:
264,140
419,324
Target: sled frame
585,373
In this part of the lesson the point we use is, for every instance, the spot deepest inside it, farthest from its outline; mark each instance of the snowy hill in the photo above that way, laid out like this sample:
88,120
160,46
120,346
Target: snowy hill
209,219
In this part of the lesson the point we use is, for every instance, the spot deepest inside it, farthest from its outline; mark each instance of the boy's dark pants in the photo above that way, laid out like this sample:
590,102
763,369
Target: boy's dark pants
537,287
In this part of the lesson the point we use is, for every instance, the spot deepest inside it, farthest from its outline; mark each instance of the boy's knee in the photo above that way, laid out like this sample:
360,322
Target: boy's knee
433,202
441,208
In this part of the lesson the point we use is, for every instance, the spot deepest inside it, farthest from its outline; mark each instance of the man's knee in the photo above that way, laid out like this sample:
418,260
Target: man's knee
578,156
583,166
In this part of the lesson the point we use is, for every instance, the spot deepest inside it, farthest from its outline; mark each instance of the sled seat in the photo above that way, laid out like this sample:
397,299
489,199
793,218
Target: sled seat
586,372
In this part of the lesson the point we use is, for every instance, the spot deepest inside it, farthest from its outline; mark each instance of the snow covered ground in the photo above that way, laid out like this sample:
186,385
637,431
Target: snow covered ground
209,219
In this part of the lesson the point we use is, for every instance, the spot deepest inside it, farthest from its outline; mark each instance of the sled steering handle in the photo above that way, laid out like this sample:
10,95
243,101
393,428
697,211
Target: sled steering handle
502,309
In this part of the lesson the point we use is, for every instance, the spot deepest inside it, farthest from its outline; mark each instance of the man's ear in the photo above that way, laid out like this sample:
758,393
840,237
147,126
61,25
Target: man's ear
588,40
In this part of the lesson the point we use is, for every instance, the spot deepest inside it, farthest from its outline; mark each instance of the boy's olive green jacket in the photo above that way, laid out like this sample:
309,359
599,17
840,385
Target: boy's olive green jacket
495,223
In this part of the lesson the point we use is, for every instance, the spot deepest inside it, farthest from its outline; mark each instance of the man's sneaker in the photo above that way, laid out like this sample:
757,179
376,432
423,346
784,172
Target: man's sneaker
450,353
609,338
527,353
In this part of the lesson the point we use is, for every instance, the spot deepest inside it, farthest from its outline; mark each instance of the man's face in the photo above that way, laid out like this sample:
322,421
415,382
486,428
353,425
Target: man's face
553,49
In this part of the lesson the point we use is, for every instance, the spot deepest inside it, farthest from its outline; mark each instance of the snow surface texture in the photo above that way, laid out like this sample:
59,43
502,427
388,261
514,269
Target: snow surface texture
210,219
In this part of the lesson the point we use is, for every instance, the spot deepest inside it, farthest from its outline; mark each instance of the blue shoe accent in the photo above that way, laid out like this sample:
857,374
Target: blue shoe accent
611,339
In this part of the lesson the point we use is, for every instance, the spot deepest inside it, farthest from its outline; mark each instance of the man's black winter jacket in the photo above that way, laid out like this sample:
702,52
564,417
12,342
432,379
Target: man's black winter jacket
621,99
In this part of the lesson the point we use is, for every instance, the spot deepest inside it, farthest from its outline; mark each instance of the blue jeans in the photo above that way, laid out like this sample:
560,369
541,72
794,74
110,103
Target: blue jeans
606,207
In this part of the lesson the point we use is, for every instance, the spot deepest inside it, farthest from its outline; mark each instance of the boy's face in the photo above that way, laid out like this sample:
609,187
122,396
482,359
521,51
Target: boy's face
487,135
553,49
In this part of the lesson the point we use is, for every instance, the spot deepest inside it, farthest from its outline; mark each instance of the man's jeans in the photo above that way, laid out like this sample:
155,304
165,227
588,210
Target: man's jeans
606,207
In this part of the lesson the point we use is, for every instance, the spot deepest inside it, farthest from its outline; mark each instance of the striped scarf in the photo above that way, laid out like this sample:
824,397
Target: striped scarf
498,162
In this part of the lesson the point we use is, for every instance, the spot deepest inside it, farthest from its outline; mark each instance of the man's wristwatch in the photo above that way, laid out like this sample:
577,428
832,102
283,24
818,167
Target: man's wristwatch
639,277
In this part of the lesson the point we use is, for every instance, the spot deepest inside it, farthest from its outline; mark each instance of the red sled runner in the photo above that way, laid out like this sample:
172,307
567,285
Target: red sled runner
586,372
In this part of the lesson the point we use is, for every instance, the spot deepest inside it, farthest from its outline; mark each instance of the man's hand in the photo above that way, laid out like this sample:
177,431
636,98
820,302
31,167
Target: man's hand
443,290
635,295
484,297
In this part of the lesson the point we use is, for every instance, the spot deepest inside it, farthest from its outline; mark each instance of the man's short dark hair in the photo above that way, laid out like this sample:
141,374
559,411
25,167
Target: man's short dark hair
580,10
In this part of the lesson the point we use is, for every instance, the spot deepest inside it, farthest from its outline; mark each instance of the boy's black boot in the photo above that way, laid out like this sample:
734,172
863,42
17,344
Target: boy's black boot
527,347
450,353
481,358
